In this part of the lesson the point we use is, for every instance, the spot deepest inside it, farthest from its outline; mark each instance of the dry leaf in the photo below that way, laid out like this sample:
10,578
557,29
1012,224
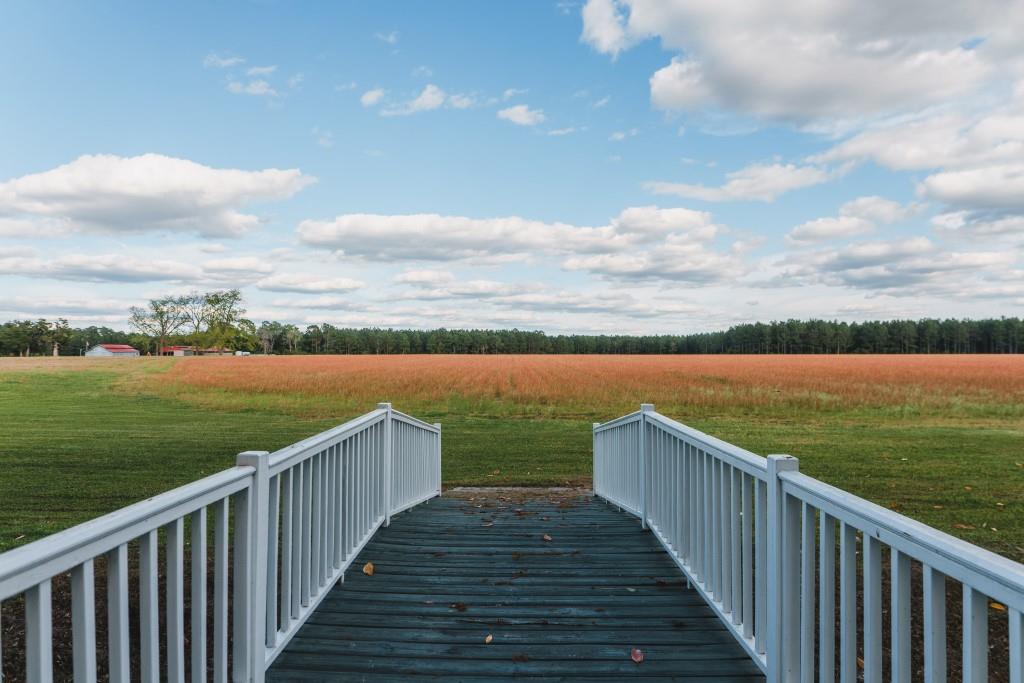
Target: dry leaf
547,538
999,607
460,606
637,655
631,590
968,488
958,525
938,507
488,639
368,568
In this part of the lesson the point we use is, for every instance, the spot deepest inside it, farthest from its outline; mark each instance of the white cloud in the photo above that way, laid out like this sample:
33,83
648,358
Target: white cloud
101,268
757,182
261,70
513,92
996,186
298,282
785,60
460,101
324,138
146,193
601,103
562,131
604,28
295,80
257,87
345,87
371,98
822,229
217,61
431,97
856,217
522,115
391,37
620,135
677,235
422,72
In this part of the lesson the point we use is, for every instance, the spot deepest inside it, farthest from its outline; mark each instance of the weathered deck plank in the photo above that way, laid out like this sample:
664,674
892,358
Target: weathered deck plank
451,572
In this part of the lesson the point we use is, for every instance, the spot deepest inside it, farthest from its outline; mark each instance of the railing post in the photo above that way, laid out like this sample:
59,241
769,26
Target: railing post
593,450
645,475
389,456
259,523
438,425
783,577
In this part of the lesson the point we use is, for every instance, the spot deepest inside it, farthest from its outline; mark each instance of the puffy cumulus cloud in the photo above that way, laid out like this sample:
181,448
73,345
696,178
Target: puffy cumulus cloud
145,193
822,229
431,97
237,269
101,268
679,259
298,282
786,60
651,221
996,187
856,217
372,98
444,238
979,225
756,182
63,307
435,237
522,115
900,267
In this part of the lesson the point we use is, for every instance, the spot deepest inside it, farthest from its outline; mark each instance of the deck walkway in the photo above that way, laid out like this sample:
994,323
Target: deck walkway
457,569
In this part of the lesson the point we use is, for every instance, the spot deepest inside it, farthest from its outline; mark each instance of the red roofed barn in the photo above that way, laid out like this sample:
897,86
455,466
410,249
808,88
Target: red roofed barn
113,350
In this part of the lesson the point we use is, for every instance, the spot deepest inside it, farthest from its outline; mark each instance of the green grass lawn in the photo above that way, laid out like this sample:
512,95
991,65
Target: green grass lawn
77,444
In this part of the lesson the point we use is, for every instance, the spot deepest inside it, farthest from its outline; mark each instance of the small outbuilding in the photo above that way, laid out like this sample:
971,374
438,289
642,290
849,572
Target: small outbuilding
113,350
178,351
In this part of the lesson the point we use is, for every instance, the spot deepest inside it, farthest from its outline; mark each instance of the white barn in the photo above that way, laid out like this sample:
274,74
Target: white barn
113,350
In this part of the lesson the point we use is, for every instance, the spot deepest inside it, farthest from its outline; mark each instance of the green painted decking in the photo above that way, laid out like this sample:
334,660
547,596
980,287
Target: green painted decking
451,572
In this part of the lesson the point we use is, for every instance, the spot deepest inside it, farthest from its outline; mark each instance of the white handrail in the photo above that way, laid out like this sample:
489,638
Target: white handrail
291,521
758,540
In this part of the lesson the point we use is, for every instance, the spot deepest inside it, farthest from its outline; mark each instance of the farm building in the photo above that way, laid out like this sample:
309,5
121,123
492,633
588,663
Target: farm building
115,350
178,351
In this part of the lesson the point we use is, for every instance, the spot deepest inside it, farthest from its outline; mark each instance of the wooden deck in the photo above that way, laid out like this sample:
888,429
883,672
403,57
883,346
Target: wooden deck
451,572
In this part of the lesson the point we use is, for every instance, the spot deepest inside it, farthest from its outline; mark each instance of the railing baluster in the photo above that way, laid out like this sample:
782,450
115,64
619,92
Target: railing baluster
220,591
287,501
304,553
241,606
175,613
1016,644
725,498
872,609
900,612
827,600
273,519
39,633
149,611
316,520
975,626
118,639
934,626
847,604
83,622
747,500
736,550
807,586
298,542
761,567
198,596
339,525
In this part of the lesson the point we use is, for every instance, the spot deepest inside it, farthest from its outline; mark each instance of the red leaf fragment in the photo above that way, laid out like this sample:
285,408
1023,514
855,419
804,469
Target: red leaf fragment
637,655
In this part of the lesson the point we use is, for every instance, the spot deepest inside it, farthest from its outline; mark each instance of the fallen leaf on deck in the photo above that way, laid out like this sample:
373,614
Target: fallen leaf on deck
637,655
488,639
488,523
368,568
631,590
460,606
958,525
999,607
547,538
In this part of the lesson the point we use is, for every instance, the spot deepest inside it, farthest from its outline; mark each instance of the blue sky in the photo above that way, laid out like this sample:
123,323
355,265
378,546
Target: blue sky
602,166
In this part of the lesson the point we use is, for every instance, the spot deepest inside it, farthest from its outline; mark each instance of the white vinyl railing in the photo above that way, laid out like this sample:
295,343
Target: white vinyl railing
286,526
758,540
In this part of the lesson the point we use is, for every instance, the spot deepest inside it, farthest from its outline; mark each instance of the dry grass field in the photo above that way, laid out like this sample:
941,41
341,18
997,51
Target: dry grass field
940,438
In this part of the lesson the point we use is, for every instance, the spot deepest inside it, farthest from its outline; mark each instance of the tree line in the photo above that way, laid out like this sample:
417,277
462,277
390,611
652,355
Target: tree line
216,320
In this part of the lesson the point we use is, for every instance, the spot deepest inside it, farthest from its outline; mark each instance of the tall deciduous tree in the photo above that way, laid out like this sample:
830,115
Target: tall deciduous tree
160,319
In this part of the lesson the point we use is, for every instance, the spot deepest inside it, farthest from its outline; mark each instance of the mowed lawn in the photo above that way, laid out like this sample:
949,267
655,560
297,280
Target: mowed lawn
938,438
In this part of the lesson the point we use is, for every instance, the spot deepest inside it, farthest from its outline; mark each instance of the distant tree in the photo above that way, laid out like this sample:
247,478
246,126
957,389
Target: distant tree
160,319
